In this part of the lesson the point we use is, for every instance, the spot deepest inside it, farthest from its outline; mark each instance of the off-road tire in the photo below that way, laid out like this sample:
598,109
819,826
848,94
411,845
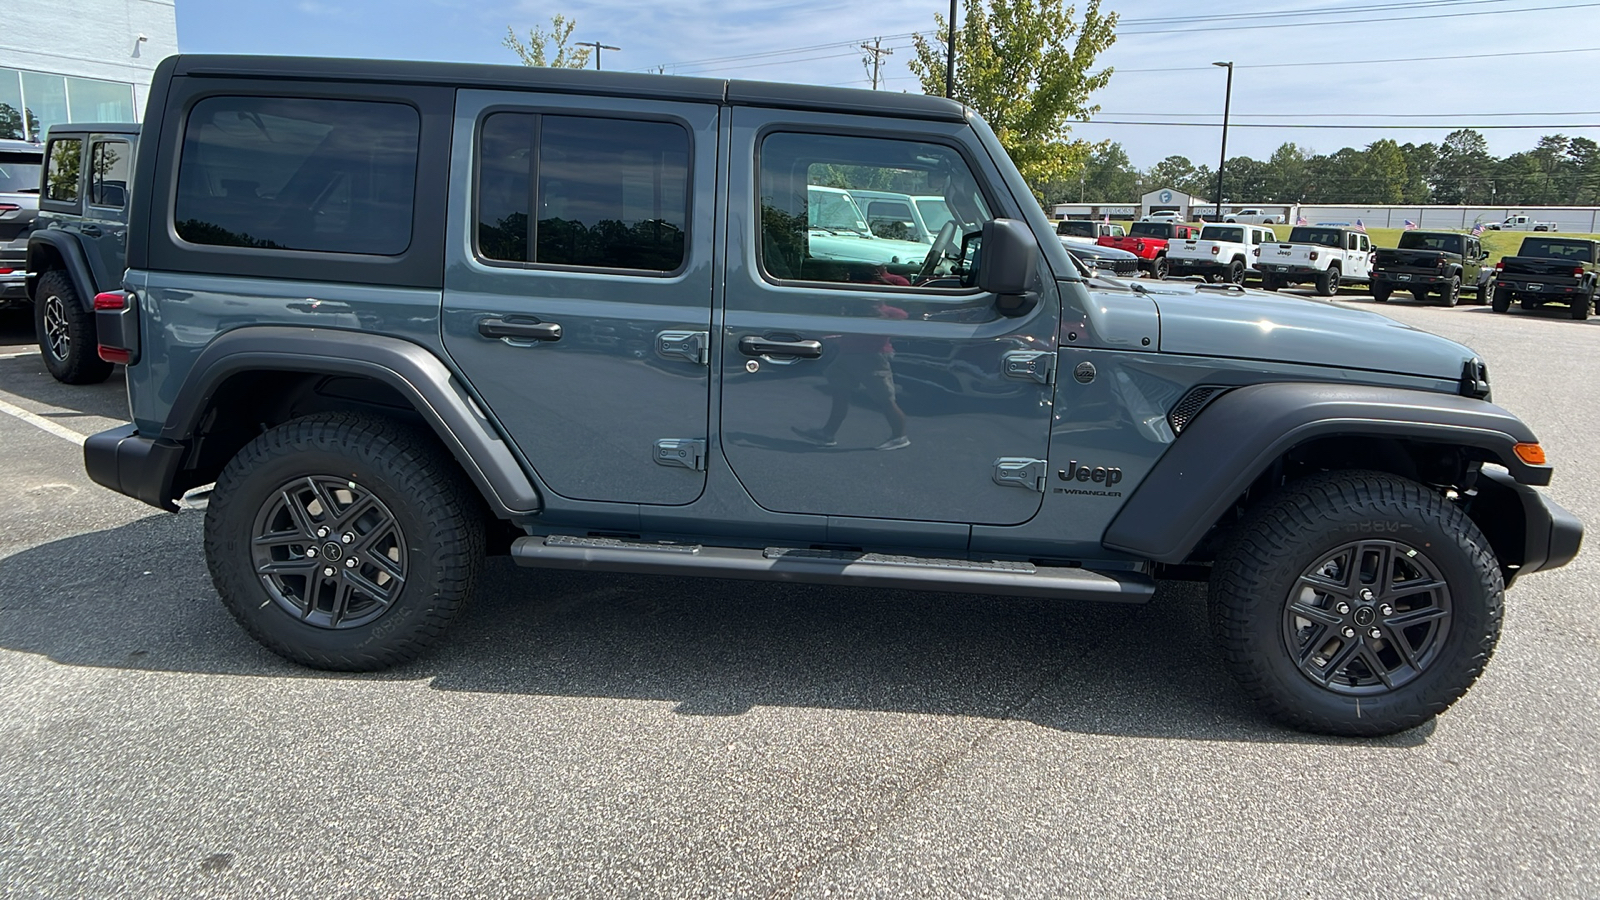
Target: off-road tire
1270,283
66,333
1328,281
1267,556
1159,268
1500,301
1450,294
1419,294
403,467
1381,294
1235,273
1485,294
1580,307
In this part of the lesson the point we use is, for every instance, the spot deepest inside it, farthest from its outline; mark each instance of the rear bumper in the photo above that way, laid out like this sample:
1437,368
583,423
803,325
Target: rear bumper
1552,289
1409,279
1291,271
136,466
1180,266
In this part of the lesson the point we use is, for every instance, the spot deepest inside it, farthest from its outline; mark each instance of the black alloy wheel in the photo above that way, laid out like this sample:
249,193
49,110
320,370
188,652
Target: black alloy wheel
1485,293
1450,294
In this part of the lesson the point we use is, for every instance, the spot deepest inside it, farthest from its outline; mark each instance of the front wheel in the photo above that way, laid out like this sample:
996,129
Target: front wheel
1485,293
344,541
66,332
1356,603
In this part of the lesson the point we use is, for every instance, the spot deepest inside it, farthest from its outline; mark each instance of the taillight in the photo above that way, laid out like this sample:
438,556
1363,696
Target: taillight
1256,252
113,307
1313,254
1215,249
1439,263
9,207
1138,246
1578,271
5,271
1499,265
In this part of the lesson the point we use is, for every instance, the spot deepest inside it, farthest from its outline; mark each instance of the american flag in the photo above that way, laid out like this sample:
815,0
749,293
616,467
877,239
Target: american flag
1477,229
1107,219
1410,225
1360,227
1300,220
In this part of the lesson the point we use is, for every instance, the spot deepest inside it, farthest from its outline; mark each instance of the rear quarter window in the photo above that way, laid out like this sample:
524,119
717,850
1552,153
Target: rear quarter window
335,176
64,169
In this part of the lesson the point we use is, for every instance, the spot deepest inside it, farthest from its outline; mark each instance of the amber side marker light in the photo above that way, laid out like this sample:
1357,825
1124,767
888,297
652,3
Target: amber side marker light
1532,454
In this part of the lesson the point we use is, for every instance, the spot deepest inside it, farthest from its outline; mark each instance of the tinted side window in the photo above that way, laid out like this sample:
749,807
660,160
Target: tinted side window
813,229
336,176
61,177
610,193
109,164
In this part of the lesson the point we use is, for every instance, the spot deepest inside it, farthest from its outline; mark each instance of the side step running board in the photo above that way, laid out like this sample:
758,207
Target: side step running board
1017,579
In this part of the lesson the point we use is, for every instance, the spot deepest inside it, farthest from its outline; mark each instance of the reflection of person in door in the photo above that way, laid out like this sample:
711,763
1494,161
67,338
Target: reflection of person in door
862,362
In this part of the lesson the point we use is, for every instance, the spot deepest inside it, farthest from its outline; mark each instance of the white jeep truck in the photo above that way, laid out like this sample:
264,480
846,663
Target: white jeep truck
1255,216
1321,255
1521,222
1221,253
1087,231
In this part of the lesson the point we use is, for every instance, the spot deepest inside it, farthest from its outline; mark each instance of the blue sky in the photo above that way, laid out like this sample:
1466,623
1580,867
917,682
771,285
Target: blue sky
701,37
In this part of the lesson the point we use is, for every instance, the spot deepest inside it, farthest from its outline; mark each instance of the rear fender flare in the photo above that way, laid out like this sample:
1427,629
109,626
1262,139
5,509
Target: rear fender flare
1238,435
413,371
61,245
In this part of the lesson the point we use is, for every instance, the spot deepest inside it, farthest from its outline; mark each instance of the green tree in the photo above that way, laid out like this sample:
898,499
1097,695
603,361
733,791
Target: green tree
1286,174
1383,173
1421,160
1462,175
1024,65
1172,172
548,48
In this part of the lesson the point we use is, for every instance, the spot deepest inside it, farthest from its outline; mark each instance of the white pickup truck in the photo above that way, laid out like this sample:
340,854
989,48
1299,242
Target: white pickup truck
1221,253
1521,223
1322,255
1255,216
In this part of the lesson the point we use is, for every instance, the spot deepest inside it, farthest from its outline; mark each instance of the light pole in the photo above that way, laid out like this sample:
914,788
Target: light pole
1227,102
950,54
597,48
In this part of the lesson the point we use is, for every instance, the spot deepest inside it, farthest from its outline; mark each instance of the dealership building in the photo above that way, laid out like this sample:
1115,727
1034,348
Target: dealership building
79,61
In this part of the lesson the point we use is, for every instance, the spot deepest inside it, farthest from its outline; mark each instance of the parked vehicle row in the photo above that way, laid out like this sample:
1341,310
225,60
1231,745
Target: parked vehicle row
19,209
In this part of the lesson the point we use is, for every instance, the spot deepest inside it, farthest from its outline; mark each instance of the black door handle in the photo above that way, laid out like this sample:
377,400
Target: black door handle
525,328
90,230
750,345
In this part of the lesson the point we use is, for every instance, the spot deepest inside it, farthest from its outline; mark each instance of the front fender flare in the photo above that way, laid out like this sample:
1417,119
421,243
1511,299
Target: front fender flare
1241,433
410,369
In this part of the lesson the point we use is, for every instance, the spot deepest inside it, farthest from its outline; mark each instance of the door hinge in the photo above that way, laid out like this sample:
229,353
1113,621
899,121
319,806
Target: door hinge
1022,472
690,453
695,346
1030,365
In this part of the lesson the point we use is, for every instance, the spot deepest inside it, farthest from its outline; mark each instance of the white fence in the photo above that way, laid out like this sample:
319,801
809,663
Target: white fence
1461,218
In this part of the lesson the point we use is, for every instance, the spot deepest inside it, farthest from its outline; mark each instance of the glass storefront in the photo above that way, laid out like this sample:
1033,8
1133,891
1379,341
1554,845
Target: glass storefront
30,102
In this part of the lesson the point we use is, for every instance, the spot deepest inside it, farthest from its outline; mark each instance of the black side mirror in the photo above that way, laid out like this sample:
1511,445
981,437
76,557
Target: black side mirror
1010,260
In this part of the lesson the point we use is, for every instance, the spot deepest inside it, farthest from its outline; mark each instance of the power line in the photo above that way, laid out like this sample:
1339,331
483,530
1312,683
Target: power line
1386,19
1353,115
1317,11
1344,127
1368,62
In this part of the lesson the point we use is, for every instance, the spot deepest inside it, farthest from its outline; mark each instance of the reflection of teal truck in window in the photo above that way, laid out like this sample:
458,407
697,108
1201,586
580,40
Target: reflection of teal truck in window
838,230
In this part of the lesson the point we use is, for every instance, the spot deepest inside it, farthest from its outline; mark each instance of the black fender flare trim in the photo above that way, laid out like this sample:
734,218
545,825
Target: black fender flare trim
73,260
410,369
1239,434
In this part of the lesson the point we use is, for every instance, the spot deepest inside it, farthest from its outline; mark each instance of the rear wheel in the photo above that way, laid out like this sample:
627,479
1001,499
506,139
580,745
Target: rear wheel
66,332
1500,300
1328,282
1450,294
1419,294
1380,293
1158,268
1580,306
344,541
1356,603
1236,272
1270,283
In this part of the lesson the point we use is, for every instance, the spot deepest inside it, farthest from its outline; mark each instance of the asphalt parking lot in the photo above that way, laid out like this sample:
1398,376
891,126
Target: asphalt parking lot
585,735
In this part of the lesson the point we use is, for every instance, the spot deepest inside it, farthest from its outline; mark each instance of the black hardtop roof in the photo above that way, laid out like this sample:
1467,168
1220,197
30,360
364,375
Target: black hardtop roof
570,81
93,128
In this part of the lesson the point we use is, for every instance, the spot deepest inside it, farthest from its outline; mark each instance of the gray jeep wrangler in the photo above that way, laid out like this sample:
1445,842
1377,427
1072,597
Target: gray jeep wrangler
76,251
403,315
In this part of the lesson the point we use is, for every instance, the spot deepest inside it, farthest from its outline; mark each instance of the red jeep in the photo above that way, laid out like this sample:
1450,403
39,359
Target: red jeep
1148,241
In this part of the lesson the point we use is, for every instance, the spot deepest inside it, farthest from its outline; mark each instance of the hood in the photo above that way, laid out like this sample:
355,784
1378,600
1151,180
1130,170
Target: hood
853,247
1246,324
1097,251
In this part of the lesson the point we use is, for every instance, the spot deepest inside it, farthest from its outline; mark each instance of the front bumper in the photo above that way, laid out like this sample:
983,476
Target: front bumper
1551,536
131,464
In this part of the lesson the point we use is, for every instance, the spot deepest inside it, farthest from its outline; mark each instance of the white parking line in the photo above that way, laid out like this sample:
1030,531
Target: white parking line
18,354
40,422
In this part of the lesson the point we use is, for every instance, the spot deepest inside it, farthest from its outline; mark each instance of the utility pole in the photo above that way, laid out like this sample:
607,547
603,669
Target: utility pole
950,55
597,48
1227,102
875,58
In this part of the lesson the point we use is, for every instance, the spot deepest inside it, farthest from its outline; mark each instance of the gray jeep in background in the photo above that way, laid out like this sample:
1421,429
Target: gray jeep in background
77,249
401,315
19,209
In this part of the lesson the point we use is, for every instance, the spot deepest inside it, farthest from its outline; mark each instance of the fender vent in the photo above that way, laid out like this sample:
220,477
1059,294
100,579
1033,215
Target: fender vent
1475,379
1190,405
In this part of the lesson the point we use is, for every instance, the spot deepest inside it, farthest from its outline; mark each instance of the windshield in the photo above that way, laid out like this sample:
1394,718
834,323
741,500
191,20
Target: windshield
836,211
1222,233
1421,240
1151,229
894,219
1554,248
1325,237
935,212
19,172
